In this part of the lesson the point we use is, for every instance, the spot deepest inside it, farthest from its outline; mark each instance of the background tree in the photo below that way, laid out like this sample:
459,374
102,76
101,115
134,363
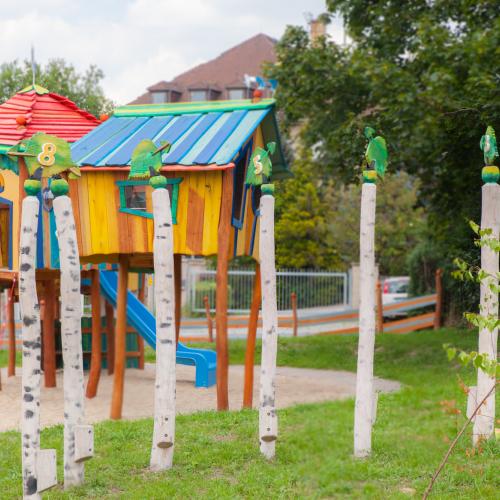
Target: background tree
60,77
399,223
426,75
302,236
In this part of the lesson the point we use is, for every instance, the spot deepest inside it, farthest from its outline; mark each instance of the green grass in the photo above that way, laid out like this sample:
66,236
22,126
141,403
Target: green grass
217,453
4,358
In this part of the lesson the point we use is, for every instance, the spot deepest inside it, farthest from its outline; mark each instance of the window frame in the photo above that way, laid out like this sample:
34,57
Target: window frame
245,153
174,182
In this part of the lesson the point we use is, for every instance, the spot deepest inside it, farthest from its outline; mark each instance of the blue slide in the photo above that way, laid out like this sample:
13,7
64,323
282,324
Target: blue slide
144,322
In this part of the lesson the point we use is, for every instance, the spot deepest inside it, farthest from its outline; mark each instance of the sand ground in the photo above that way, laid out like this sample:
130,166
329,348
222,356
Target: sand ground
294,386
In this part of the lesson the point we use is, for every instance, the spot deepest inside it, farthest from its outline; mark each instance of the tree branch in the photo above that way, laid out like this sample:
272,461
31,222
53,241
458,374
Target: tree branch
455,441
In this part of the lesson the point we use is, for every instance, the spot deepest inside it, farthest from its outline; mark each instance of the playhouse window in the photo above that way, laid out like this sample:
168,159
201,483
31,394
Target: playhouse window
135,197
239,187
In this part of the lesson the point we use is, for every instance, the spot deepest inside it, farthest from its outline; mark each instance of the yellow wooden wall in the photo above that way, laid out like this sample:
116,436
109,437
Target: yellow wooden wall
11,193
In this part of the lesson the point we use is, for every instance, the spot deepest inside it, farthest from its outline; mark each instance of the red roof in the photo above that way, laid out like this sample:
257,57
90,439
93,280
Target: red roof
35,109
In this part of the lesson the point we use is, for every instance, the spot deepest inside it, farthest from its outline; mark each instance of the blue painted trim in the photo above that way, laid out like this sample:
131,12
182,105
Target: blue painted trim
105,149
244,153
11,229
254,230
54,243
147,131
235,245
40,257
220,137
178,128
185,146
96,138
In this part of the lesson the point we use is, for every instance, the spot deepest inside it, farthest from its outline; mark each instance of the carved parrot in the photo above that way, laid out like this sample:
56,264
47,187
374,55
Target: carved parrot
488,145
376,152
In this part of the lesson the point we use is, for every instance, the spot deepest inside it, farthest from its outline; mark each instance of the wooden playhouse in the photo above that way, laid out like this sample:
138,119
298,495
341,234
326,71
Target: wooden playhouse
214,211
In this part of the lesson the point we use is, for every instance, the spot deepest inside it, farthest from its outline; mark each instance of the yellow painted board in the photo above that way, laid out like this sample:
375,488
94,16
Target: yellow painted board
98,214
213,195
258,138
181,226
108,184
256,243
83,202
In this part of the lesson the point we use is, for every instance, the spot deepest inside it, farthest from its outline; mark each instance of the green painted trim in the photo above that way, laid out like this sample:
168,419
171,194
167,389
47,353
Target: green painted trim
175,197
184,108
37,88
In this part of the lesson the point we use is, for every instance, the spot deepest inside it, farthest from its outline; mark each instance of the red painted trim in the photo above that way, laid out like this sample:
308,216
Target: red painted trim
168,168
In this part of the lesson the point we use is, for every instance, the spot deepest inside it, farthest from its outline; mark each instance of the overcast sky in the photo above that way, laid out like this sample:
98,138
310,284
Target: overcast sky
139,42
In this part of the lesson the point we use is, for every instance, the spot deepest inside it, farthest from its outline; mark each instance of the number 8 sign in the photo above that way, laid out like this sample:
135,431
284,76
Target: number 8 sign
46,157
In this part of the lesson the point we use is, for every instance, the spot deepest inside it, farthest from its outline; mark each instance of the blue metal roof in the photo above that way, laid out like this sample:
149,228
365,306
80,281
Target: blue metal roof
212,133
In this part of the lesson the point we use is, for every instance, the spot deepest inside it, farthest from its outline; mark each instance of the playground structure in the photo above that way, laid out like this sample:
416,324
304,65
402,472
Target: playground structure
213,210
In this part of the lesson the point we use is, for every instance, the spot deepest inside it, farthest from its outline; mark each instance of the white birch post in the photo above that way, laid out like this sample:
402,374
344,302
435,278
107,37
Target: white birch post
268,419
32,346
71,335
484,422
364,409
162,451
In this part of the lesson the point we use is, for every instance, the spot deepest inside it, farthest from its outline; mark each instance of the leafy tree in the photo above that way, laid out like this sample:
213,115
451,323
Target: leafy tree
399,223
302,236
60,77
424,74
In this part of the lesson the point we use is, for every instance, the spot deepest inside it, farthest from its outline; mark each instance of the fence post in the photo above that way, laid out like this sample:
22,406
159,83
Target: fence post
11,328
209,319
293,299
439,299
380,309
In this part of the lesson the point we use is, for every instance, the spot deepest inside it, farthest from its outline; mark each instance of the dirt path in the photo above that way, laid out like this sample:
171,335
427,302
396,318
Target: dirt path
294,385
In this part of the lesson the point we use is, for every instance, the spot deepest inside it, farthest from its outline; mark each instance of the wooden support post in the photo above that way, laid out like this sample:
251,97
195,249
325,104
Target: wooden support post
293,300
162,451
71,336
484,423
110,337
32,347
140,341
178,293
96,355
268,419
363,414
221,341
48,334
120,339
380,309
11,326
251,338
439,299
210,324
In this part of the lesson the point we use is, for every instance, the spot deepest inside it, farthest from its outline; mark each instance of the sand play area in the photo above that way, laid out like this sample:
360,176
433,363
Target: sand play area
294,386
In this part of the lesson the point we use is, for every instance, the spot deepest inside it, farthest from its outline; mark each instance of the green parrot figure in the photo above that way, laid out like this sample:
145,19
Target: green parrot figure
146,160
260,168
48,152
376,152
488,145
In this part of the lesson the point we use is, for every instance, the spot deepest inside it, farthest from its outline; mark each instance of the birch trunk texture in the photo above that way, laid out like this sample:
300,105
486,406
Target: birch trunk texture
484,422
32,347
364,410
162,451
268,420
71,336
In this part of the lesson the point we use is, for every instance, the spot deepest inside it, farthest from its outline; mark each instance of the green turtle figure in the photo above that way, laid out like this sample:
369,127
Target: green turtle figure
146,162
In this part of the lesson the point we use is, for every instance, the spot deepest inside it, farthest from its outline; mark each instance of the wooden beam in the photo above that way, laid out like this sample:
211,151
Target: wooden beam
178,293
120,340
96,357
293,300
110,337
380,308
439,299
140,341
11,325
251,338
48,334
223,236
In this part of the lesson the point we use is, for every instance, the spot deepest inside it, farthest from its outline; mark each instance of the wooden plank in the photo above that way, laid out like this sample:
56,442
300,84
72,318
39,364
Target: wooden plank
213,195
124,243
194,232
182,217
83,203
109,187
48,334
96,359
74,196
